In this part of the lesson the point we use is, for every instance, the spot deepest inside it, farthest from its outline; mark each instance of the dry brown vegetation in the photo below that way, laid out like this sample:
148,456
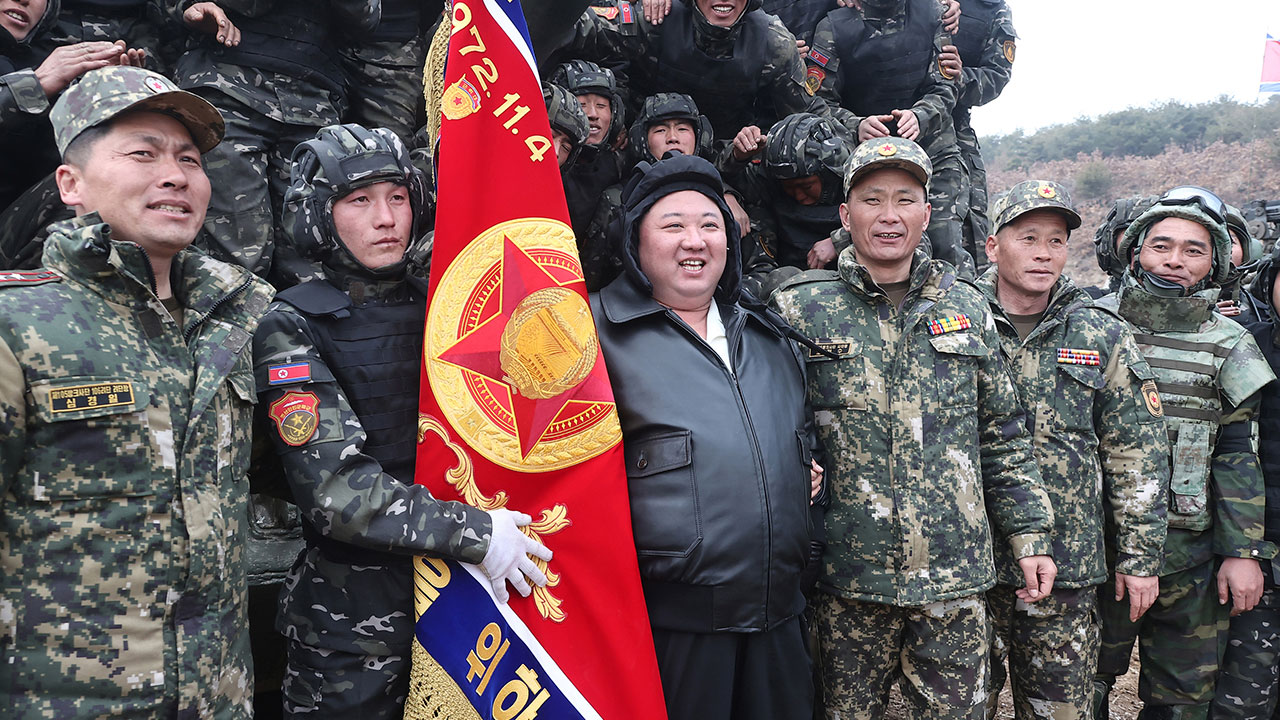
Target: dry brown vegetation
1239,172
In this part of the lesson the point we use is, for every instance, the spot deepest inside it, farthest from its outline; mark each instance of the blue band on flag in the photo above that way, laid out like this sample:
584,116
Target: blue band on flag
515,14
1269,87
493,666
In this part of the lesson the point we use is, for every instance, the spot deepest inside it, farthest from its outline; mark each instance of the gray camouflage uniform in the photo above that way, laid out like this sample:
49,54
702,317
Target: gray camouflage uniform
267,113
979,83
124,443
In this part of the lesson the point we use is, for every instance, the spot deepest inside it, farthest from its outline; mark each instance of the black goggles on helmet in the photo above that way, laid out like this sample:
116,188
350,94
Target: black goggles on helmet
1211,204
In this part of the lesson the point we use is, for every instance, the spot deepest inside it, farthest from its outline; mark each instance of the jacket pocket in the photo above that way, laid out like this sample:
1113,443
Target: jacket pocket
956,368
94,437
1071,407
233,422
664,500
837,383
1189,477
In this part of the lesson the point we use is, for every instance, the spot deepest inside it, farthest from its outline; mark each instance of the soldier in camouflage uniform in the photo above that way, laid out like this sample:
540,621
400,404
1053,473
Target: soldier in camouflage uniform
384,73
1246,255
931,459
272,68
126,396
986,45
600,164
794,192
740,66
336,362
1248,684
1208,374
1103,456
897,86
1107,237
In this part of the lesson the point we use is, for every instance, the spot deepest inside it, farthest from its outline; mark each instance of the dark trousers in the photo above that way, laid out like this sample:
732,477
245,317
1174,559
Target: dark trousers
744,676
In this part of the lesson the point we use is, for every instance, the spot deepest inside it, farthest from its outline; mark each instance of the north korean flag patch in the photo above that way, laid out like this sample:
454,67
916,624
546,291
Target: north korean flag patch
289,373
819,58
627,13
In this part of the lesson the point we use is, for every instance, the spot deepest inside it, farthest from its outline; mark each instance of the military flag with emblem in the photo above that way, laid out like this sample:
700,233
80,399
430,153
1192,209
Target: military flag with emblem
517,412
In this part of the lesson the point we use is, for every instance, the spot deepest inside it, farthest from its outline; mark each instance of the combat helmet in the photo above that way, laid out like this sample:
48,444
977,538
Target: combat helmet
1123,212
1191,203
805,144
581,77
337,161
566,115
1250,248
669,106
1265,280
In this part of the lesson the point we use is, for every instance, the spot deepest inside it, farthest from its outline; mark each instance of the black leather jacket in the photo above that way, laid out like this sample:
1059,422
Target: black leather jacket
717,462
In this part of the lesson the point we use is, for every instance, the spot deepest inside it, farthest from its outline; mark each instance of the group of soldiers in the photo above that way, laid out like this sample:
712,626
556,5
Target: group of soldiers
1015,472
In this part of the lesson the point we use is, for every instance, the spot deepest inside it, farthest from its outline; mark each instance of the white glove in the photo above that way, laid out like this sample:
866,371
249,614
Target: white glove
508,557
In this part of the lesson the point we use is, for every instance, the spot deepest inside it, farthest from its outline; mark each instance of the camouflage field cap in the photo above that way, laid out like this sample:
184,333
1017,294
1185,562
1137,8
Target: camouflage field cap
105,93
888,152
1031,195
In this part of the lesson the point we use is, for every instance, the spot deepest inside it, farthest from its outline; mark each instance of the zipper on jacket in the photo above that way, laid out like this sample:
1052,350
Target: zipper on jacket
191,329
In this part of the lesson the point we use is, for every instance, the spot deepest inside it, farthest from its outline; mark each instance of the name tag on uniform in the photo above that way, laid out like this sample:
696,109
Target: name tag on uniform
842,347
954,323
1071,356
83,397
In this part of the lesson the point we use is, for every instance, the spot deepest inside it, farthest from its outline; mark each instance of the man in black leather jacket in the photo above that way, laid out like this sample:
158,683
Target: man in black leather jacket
711,398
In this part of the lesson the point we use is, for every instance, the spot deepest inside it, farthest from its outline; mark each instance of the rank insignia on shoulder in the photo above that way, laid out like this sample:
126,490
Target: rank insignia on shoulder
813,80
28,277
628,15
1070,356
835,346
289,373
1151,395
949,324
295,417
819,58
608,13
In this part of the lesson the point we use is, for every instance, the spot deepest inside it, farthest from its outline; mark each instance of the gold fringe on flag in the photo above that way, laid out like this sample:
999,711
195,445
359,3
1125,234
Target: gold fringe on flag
433,72
432,693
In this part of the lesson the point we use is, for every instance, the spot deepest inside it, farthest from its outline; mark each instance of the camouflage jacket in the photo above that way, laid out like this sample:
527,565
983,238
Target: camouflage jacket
1208,372
933,108
929,448
351,595
629,44
1102,451
982,82
279,96
124,446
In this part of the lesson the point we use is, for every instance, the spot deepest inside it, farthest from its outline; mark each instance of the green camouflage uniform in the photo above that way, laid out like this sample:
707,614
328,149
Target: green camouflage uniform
918,396
267,114
949,188
1103,458
979,85
124,443
1208,372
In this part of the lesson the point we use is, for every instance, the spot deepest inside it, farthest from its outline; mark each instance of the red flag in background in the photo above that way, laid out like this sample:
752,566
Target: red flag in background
1270,66
516,412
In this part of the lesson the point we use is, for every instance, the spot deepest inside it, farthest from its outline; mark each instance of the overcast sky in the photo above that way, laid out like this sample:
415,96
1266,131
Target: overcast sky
1085,58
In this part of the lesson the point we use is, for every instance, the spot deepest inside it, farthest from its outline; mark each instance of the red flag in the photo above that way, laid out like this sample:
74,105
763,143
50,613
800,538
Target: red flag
517,412
1270,66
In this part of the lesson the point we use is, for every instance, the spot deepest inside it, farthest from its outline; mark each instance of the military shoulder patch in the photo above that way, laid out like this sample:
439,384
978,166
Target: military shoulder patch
18,278
628,14
289,373
608,13
1071,356
295,417
953,323
813,80
819,58
1151,396
942,70
1010,50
